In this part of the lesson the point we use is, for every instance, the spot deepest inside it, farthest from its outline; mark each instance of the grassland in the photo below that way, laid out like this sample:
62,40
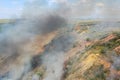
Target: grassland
5,21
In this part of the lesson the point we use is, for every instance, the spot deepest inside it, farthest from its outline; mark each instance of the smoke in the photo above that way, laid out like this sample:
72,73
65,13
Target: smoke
53,57
13,40
42,17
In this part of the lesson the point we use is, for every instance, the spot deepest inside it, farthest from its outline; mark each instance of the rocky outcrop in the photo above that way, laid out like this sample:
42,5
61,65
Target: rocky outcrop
117,49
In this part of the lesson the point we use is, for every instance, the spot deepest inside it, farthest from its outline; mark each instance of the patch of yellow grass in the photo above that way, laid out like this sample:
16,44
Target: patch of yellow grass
83,66
6,21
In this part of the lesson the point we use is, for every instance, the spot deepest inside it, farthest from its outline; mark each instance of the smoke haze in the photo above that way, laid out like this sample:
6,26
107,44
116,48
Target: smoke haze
39,19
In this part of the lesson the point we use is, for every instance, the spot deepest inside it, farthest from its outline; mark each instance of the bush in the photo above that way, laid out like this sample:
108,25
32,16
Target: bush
88,39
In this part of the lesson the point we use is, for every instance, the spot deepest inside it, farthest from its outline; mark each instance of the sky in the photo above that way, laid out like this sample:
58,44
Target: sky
11,8
84,8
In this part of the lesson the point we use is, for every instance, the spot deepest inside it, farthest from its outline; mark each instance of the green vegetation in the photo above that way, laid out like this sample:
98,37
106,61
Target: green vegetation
94,63
96,72
88,39
40,71
110,45
117,67
88,22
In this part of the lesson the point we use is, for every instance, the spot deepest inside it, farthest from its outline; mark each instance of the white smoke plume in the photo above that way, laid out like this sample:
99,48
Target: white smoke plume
53,58
13,38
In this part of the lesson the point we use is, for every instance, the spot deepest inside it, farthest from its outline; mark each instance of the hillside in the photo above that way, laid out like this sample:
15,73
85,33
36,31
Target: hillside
99,61
87,51
94,58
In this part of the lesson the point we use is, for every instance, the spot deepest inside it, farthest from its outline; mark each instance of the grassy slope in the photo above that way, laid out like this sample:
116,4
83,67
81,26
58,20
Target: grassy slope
5,21
95,63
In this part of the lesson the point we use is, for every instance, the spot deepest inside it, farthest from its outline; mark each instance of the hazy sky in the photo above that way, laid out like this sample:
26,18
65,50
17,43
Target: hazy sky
83,8
11,8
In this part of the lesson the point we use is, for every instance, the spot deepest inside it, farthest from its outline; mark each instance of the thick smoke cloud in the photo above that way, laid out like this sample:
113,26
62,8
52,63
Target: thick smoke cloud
14,38
47,24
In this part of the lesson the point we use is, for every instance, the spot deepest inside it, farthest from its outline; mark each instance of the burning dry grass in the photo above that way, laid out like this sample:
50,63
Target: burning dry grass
33,48
37,45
